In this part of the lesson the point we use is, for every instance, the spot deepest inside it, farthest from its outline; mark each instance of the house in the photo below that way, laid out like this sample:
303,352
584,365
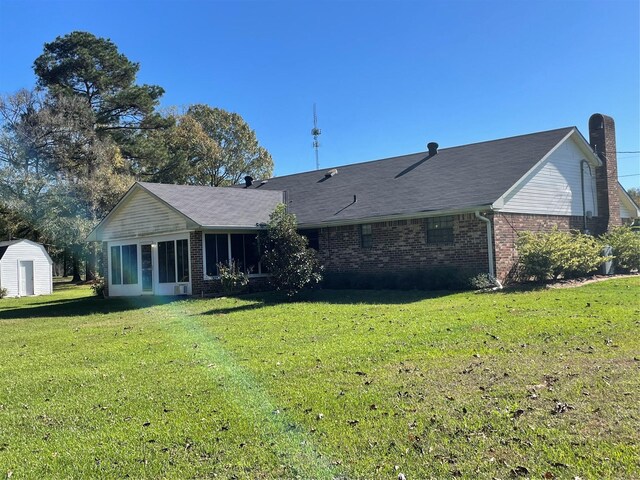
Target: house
457,207
25,268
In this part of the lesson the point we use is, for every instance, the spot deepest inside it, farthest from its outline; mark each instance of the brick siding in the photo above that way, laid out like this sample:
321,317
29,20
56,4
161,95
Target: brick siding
402,246
507,225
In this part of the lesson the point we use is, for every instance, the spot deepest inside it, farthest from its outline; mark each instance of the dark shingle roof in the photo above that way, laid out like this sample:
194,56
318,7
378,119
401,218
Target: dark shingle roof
456,178
210,206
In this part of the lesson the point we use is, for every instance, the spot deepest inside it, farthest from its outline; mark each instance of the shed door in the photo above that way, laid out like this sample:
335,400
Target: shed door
26,277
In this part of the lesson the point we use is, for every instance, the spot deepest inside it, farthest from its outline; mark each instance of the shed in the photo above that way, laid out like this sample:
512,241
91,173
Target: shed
25,268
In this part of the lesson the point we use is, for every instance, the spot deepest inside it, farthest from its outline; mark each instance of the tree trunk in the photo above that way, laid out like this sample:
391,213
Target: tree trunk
90,266
76,265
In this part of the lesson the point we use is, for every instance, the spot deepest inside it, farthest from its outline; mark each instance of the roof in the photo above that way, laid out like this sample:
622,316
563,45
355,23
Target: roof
454,179
4,246
213,206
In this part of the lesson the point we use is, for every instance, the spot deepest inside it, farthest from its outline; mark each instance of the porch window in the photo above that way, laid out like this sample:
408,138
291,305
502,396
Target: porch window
173,261
243,248
313,236
124,265
440,230
216,247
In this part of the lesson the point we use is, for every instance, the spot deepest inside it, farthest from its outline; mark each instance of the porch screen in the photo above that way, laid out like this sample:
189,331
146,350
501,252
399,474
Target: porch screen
241,247
173,261
124,265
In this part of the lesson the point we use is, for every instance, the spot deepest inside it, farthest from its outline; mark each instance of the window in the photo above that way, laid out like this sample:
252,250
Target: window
313,236
124,265
216,247
366,237
173,261
439,230
243,248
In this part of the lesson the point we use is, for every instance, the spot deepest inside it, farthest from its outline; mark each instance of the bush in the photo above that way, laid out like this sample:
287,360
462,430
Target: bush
555,254
3,292
233,280
292,265
626,247
98,286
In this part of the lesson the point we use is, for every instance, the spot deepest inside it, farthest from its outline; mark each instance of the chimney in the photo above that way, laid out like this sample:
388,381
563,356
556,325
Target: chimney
602,137
248,180
433,148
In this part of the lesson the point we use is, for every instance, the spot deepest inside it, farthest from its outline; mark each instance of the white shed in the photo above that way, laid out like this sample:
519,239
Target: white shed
25,268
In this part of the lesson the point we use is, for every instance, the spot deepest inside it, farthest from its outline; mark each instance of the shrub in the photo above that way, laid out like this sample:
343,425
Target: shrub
555,254
232,278
98,286
292,265
3,292
626,247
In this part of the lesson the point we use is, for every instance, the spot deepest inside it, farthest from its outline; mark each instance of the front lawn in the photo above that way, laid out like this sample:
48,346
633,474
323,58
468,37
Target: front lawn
540,384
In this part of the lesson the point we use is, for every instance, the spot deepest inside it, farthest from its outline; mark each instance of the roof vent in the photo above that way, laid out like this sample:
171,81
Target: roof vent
433,148
248,180
263,182
331,173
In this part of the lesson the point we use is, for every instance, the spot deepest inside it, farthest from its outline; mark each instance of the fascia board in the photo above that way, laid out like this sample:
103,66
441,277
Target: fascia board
388,218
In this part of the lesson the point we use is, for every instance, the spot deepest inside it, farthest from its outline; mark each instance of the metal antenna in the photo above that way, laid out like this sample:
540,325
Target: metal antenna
315,131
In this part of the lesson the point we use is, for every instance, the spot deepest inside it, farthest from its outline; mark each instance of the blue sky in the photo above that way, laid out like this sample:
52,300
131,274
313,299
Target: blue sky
387,76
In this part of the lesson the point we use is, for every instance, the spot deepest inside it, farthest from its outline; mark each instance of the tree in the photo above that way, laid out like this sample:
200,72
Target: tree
293,266
82,65
210,146
44,185
105,115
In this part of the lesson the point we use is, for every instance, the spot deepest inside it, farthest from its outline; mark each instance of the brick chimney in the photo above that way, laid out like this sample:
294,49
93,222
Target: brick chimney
602,137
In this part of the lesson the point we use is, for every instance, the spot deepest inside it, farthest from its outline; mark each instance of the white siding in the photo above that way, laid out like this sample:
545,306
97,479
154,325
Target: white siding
141,214
553,188
627,209
10,269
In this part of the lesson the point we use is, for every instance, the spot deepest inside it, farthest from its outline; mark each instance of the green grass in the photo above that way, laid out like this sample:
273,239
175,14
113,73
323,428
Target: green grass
333,385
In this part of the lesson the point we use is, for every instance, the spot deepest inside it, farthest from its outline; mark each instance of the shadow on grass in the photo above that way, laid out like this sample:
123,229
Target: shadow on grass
330,297
78,307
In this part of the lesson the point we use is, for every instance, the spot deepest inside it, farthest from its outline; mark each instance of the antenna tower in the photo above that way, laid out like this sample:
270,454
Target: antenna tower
315,131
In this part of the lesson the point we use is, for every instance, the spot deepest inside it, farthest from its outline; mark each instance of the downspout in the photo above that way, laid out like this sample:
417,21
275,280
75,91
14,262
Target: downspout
492,272
584,207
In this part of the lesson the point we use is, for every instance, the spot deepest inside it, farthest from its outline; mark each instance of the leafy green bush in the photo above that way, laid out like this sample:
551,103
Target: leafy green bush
232,278
626,247
292,265
555,254
3,292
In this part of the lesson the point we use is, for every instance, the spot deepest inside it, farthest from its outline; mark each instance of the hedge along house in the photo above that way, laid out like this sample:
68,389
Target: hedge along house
25,268
457,207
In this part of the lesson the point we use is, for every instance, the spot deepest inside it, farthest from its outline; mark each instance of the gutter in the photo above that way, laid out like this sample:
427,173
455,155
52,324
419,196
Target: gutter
492,271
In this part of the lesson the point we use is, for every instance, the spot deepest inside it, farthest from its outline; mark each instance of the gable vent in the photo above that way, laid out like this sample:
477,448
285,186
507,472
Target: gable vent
331,173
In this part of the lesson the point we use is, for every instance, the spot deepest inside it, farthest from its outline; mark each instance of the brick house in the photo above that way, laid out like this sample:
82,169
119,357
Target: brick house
455,207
